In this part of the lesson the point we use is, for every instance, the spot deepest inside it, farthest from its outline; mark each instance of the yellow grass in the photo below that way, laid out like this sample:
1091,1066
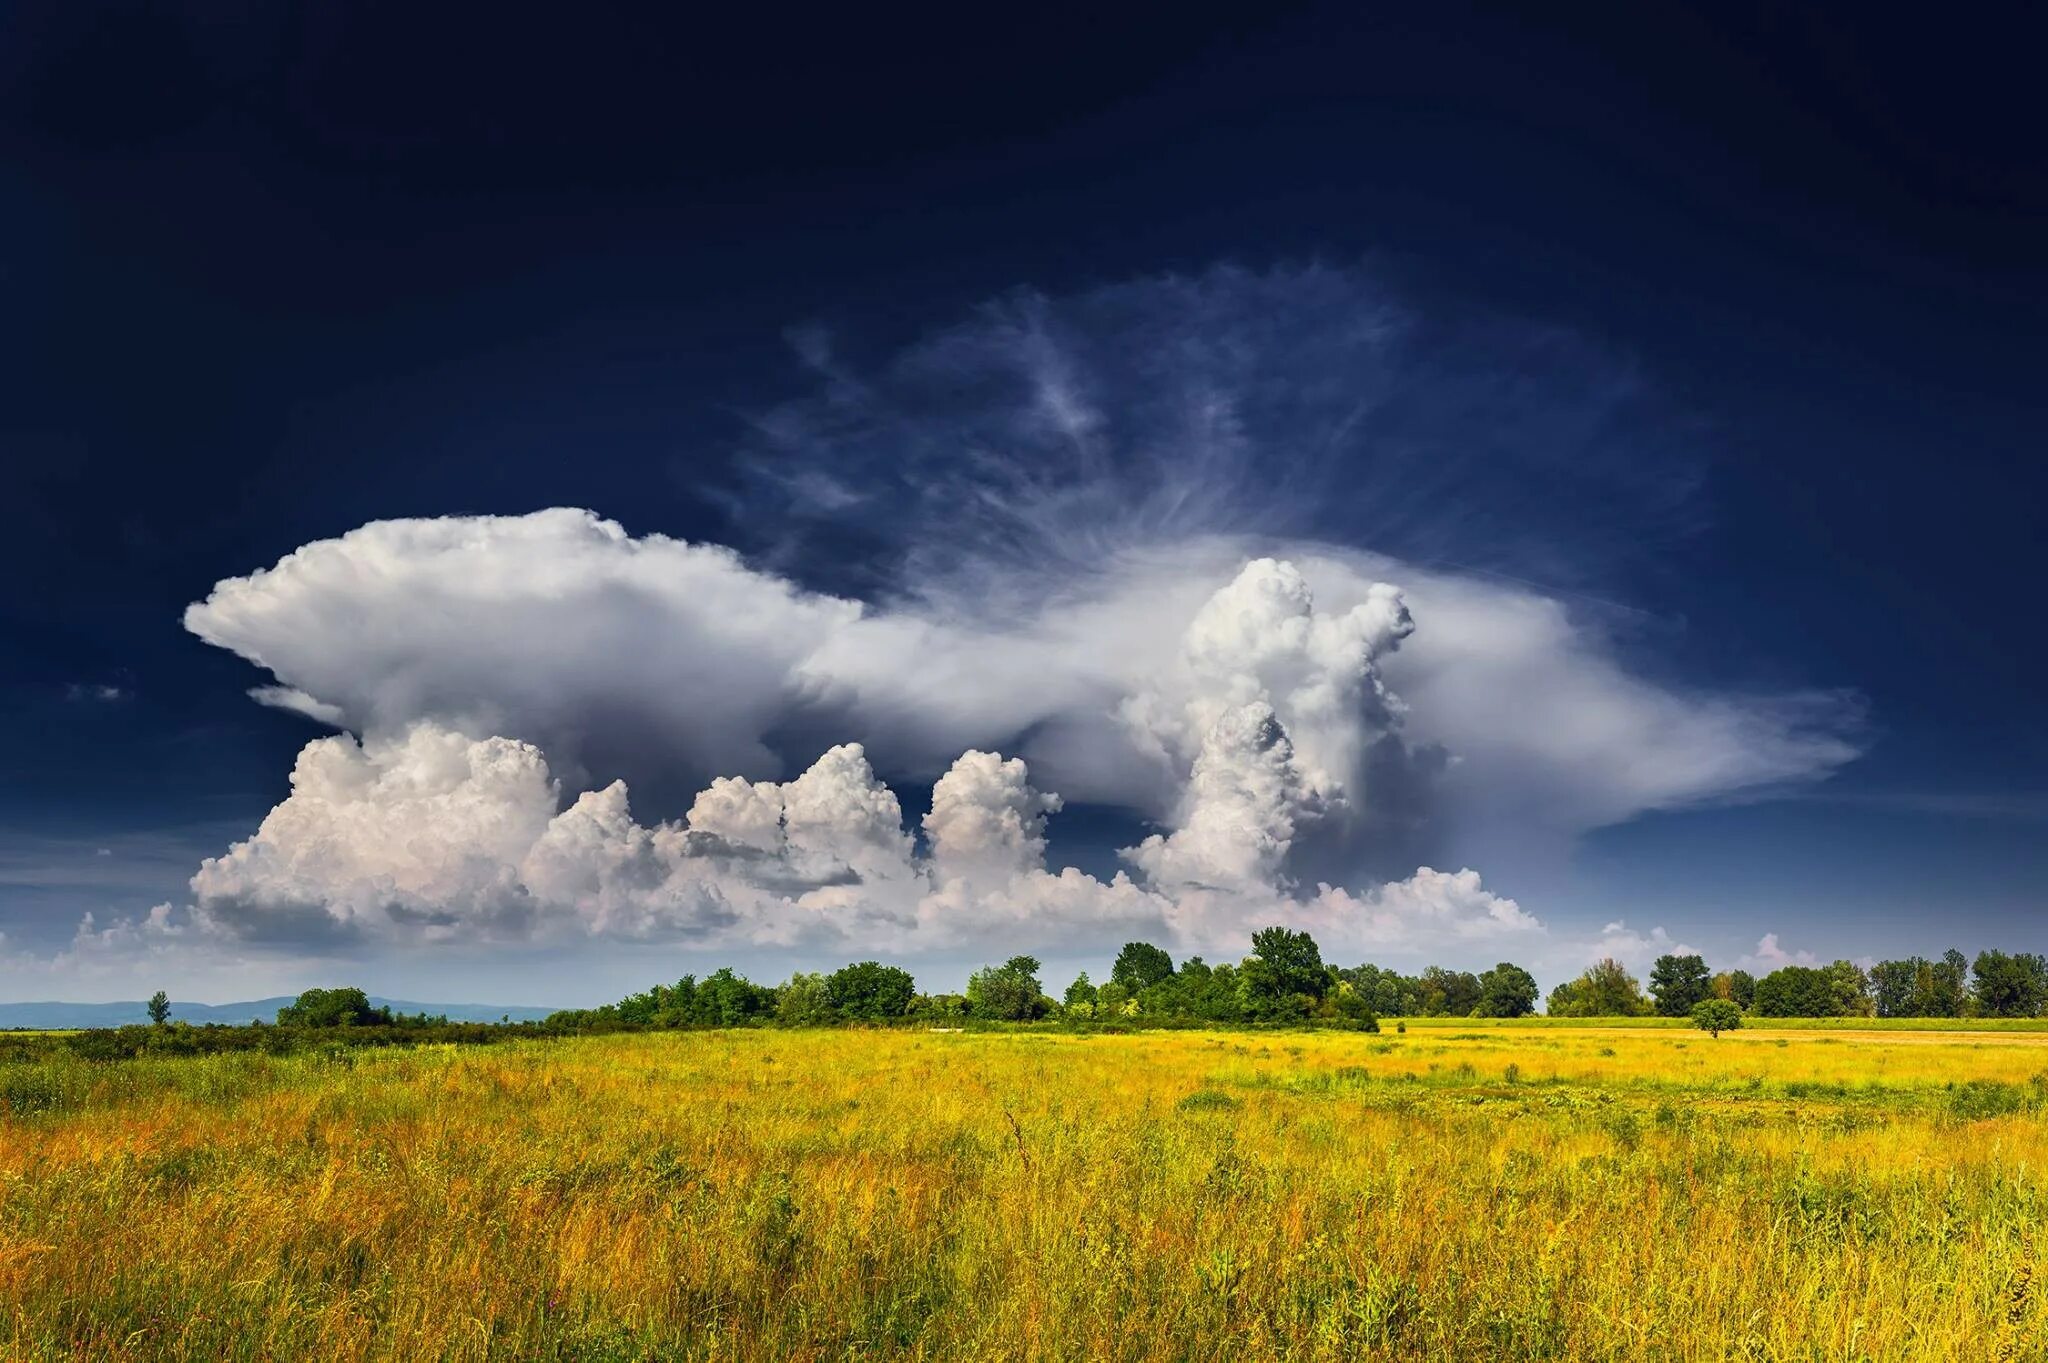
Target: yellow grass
815,1195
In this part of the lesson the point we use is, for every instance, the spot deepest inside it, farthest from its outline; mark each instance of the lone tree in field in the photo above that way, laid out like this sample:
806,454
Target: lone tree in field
159,1008
1715,1016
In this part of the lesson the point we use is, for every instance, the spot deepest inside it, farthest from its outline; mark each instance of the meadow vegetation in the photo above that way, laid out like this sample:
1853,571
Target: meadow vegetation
1462,1189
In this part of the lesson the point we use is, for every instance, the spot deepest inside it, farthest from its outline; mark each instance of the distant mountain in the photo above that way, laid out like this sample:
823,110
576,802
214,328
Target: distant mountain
44,1016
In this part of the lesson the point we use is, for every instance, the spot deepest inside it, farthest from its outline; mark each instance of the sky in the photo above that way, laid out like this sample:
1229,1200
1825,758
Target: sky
516,512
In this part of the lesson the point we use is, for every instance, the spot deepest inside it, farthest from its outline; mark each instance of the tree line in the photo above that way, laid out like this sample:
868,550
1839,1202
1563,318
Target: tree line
1285,981
1996,984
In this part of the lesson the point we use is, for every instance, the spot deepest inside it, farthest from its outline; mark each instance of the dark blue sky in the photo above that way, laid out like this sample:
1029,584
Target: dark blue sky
264,278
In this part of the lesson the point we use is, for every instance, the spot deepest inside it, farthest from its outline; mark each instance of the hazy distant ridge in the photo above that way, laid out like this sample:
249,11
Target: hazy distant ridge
55,1014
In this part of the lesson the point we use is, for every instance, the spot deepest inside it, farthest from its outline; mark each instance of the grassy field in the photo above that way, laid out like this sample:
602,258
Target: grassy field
1457,1192
1540,1023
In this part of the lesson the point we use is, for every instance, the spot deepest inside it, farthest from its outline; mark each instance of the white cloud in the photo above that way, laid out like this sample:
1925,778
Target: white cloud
1260,639
1769,956
1428,909
1634,949
423,831
131,956
1505,716
299,703
431,836
986,822
556,627
1280,735
1245,800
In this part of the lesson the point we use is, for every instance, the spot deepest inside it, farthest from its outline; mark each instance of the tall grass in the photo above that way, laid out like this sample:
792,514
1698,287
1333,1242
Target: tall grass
1562,1193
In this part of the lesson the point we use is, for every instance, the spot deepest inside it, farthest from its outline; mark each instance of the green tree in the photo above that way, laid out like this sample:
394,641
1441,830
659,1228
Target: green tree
1894,986
1448,993
1605,990
1940,988
1210,993
665,1005
1080,992
804,1001
728,999
939,1007
1949,985
159,1008
1347,1002
1392,993
1009,991
1679,982
1283,979
333,1008
868,991
1139,966
1850,989
1715,1016
1797,991
1506,991
2010,986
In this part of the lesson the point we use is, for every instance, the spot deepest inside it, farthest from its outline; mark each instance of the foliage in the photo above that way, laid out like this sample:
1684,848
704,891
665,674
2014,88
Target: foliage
1715,1016
1506,991
1283,979
804,1001
2010,986
1737,986
1838,990
1919,988
159,1008
1450,993
185,1039
868,991
1008,992
938,1008
1391,993
346,1007
1346,1005
1679,982
1139,966
1794,991
1605,990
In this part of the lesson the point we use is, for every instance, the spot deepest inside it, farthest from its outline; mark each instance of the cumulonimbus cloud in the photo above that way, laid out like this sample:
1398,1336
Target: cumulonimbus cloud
671,664
1116,552
1270,722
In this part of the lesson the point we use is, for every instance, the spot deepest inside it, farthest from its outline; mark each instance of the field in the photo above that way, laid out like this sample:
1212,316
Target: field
1456,1192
